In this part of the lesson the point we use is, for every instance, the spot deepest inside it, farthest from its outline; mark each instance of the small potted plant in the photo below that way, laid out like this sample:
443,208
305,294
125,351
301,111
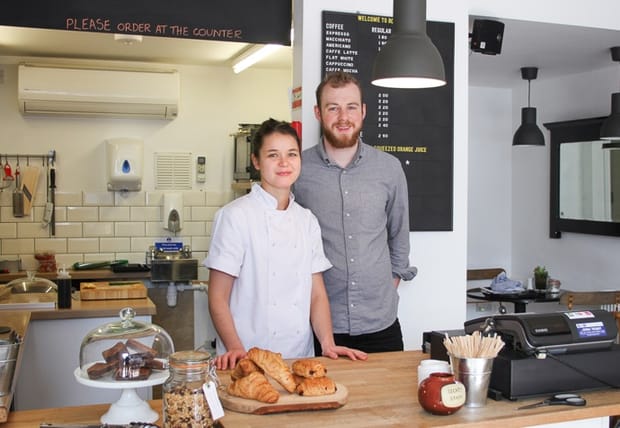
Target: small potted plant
540,277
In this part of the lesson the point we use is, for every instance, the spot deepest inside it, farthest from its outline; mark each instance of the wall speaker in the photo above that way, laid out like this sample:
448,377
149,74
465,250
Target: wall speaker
487,36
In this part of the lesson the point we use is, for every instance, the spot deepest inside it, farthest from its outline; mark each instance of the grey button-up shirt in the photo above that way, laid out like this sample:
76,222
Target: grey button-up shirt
363,211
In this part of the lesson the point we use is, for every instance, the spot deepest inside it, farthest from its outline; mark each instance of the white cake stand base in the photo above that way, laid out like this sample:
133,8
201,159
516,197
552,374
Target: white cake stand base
130,407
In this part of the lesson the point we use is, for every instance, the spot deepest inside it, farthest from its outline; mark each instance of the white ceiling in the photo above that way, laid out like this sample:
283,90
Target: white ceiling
31,42
555,49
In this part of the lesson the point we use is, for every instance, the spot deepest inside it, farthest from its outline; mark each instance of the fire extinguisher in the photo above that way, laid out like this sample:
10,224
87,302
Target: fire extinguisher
296,124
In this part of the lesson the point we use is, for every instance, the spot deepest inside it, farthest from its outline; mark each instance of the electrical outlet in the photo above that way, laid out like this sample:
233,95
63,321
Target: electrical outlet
201,169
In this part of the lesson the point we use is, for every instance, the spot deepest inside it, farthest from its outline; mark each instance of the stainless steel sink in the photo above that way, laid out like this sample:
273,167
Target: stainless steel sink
174,266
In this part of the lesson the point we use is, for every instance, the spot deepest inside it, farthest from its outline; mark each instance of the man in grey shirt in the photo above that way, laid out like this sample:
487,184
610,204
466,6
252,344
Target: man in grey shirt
359,195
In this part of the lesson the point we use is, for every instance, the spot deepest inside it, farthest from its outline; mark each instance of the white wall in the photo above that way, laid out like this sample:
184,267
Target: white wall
581,262
435,298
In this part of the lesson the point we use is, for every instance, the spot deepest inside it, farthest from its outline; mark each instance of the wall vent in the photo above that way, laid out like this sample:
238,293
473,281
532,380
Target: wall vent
173,171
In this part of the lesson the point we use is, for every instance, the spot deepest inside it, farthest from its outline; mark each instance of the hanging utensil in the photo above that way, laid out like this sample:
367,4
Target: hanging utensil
8,172
18,195
52,199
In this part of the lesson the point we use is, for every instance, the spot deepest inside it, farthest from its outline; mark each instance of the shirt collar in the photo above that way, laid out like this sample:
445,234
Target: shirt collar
268,199
361,150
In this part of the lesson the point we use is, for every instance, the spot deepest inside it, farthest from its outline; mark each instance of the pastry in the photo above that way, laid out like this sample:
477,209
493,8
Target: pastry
274,366
141,348
309,368
112,354
254,386
309,387
244,367
98,370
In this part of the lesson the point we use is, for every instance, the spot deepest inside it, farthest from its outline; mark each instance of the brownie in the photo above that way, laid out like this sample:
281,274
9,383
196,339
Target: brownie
112,354
142,374
98,370
154,364
140,347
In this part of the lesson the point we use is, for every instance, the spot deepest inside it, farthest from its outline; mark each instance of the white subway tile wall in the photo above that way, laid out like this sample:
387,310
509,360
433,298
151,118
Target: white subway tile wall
99,226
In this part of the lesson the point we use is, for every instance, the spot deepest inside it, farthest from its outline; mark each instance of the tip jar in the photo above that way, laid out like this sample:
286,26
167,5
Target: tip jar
189,394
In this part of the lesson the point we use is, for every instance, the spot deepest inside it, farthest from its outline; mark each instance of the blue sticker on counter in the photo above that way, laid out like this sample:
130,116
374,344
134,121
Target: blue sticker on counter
591,329
169,246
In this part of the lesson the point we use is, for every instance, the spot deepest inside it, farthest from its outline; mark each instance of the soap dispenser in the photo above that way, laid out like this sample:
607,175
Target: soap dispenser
173,208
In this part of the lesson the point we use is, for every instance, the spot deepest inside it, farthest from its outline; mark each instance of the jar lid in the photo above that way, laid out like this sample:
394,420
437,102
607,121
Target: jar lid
188,358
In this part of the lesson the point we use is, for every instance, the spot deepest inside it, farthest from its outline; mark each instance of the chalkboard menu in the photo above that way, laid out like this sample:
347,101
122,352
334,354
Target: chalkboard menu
415,125
249,21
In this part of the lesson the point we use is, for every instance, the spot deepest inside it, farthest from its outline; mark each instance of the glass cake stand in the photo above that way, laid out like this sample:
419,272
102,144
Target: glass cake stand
130,407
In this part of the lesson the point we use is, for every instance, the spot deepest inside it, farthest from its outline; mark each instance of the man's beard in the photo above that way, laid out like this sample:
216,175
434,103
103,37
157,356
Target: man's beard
341,141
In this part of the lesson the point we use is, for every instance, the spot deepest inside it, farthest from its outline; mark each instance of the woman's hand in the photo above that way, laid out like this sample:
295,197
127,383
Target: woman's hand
334,351
229,359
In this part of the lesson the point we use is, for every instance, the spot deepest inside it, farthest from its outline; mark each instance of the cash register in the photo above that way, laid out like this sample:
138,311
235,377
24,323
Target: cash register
547,353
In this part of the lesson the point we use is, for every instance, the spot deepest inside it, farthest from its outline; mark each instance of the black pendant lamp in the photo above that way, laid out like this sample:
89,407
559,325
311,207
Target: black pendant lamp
610,129
528,134
409,59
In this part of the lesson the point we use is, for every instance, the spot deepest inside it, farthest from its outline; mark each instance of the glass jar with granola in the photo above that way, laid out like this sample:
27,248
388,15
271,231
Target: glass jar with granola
186,393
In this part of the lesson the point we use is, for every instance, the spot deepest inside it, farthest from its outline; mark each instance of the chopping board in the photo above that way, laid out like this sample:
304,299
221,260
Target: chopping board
286,403
29,181
103,290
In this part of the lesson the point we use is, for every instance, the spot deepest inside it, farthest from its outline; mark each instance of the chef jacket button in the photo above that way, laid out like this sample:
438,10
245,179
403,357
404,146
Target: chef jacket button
350,236
352,305
348,215
352,282
352,260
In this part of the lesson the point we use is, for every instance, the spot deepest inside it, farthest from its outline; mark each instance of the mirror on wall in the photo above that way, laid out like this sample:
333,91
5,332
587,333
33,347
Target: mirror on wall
585,179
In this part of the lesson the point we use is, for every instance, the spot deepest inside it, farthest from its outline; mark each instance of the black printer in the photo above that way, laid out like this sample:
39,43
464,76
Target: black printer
548,353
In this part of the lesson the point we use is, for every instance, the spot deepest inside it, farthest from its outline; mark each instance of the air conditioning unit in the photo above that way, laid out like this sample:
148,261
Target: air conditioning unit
97,92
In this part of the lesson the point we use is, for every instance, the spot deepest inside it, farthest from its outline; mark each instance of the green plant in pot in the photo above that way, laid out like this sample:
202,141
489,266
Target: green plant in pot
540,277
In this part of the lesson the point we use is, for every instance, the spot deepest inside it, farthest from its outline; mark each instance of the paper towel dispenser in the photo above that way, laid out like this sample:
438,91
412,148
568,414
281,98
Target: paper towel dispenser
124,164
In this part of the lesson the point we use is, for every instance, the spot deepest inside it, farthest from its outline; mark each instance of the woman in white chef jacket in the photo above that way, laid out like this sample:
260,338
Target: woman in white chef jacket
266,261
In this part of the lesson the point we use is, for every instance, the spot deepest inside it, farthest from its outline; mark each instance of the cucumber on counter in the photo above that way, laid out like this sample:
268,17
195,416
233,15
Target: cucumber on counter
98,265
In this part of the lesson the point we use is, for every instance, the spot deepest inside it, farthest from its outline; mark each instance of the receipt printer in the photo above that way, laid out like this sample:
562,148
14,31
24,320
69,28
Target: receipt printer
550,353
556,332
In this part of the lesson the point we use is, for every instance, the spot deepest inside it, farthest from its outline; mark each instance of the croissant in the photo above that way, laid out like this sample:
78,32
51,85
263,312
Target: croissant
273,365
316,386
254,386
309,368
244,367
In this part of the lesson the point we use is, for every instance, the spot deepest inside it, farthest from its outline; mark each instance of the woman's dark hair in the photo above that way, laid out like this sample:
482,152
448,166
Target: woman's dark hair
272,126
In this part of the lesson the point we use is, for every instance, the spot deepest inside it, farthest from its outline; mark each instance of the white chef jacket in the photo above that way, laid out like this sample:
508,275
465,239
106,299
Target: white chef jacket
272,254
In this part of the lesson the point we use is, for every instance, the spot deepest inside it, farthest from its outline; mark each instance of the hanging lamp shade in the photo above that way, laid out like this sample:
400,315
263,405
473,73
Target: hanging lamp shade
409,59
528,134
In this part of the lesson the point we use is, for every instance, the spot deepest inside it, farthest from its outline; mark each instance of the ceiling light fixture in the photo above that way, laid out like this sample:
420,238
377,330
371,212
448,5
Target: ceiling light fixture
528,134
409,59
128,39
252,55
610,129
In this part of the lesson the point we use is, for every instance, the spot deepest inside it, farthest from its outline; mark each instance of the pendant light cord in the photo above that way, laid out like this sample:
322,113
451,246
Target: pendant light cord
528,92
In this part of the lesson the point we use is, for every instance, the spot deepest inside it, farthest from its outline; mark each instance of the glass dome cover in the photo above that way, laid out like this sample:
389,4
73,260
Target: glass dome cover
125,350
31,284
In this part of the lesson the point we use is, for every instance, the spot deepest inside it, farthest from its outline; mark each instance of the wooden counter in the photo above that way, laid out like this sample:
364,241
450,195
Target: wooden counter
20,321
382,392
86,274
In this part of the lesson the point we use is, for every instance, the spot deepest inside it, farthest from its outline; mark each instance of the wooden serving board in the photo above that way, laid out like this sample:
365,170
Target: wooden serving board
103,290
287,403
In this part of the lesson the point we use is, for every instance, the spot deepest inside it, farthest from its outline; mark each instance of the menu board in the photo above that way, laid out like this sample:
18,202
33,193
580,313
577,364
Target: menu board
250,21
415,125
